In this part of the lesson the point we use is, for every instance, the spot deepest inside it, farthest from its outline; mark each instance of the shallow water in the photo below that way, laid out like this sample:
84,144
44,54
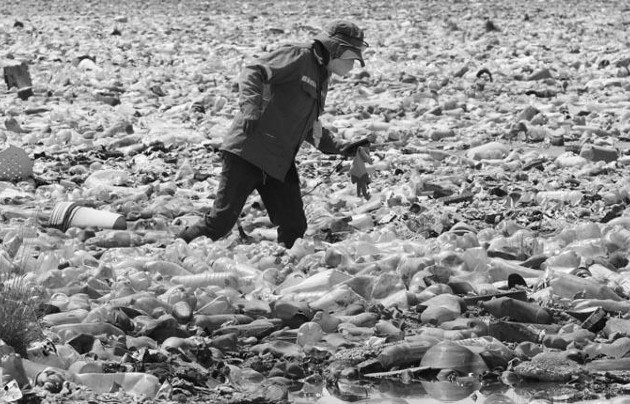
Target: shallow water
467,392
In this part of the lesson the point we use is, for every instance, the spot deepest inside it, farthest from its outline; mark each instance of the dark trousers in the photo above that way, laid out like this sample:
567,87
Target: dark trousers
283,200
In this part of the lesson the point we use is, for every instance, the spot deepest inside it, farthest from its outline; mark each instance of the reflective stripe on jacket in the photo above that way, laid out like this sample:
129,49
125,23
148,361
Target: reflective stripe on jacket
285,90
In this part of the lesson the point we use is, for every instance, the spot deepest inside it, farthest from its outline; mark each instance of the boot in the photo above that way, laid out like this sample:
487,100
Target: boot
193,231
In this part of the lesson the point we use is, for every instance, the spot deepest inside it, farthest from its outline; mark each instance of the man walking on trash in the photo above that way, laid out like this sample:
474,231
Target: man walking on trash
281,98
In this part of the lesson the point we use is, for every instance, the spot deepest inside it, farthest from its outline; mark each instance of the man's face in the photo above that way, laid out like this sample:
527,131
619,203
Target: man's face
340,67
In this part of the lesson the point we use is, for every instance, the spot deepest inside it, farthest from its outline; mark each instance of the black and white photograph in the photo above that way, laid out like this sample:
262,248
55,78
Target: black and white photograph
314,202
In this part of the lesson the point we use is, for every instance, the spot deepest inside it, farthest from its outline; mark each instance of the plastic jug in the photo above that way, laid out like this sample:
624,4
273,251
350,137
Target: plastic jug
130,382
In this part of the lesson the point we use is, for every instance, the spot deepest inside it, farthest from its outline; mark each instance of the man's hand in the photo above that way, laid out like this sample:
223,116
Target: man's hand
351,149
249,126
359,174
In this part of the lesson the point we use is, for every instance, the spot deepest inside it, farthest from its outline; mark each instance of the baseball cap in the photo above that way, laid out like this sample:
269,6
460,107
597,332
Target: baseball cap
347,40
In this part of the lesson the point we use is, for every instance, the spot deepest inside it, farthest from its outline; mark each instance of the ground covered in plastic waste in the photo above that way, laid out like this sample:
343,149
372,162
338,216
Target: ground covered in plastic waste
490,263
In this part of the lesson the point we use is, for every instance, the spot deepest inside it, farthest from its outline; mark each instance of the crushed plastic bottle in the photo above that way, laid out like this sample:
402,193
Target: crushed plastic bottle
308,335
571,197
131,382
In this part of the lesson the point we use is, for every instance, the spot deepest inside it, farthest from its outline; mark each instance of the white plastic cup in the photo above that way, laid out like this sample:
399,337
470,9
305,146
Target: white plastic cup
69,214
59,212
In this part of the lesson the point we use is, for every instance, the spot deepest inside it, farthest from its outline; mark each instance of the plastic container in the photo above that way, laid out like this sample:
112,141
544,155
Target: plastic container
217,305
68,331
223,279
493,351
338,298
617,239
70,214
320,282
211,323
45,353
508,331
574,287
12,242
589,248
476,259
81,366
405,353
11,365
130,382
116,239
450,355
441,308
527,350
61,300
517,310
11,389
619,348
570,197
599,153
309,334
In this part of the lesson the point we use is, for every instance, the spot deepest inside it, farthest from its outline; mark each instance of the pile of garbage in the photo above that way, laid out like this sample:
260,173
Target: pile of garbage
491,254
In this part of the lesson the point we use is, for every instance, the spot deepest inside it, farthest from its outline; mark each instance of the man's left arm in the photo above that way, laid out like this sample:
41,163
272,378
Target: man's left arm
326,142
323,139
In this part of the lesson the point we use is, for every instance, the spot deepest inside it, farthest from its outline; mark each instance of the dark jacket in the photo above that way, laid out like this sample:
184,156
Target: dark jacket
285,90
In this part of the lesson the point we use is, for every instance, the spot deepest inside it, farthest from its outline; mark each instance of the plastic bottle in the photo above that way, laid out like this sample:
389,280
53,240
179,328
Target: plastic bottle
617,239
114,239
441,308
527,350
220,305
211,323
616,349
65,317
571,287
588,230
47,261
565,262
130,382
489,348
476,259
362,221
571,197
320,282
599,153
246,378
508,331
588,248
223,279
195,264
562,340
10,390
79,301
139,280
12,242
67,354
45,353
339,297
185,171
165,268
12,366
60,300
68,331
517,310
